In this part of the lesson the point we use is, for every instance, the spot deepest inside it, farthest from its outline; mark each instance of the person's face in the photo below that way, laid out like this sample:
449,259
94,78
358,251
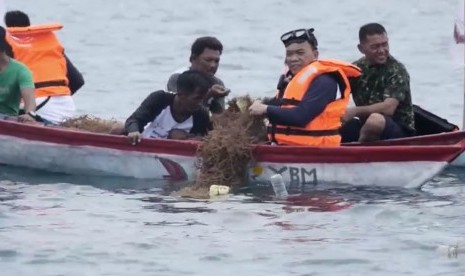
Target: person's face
192,102
299,55
208,61
375,48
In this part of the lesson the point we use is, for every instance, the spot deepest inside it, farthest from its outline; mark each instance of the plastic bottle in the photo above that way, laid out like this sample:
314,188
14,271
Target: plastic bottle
279,186
218,190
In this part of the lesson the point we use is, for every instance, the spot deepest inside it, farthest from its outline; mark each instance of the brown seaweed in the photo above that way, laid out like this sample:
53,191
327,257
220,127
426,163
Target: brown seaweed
94,124
224,155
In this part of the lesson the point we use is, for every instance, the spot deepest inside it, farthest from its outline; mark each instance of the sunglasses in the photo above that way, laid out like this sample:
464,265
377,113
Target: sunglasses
306,34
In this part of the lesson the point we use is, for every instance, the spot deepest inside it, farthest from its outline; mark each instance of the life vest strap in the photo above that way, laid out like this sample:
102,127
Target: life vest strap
39,106
302,132
44,84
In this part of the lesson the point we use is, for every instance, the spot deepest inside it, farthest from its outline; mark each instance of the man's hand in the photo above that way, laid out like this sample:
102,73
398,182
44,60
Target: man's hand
258,108
134,137
349,115
218,91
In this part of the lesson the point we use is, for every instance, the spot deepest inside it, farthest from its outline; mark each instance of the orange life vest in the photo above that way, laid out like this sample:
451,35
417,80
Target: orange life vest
38,47
324,129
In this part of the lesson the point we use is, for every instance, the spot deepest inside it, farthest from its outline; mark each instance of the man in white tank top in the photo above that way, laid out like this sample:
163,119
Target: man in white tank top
166,112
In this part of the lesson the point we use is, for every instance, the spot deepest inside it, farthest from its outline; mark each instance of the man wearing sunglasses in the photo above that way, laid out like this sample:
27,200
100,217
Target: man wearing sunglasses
382,94
309,110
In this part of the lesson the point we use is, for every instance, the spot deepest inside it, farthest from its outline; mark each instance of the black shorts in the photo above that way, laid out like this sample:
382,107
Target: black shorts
350,131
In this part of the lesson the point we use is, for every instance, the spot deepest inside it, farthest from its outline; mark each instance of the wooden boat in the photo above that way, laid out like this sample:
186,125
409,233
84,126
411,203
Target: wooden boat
403,163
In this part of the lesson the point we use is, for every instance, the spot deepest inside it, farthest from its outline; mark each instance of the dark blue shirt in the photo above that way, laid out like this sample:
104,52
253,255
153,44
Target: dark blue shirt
75,78
321,92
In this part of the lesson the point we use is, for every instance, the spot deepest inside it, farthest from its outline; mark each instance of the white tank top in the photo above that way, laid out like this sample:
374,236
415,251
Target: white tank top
164,123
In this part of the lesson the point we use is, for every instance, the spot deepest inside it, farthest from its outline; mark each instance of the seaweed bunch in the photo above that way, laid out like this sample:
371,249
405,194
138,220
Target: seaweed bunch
224,154
94,124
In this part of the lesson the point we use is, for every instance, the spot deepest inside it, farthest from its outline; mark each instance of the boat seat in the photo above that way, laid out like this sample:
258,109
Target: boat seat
429,123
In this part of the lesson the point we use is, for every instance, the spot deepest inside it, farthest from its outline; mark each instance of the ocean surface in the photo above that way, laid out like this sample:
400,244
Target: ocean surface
54,224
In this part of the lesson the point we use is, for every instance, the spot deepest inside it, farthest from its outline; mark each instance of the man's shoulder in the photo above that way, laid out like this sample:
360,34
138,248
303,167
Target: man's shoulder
176,73
18,65
180,70
174,76
326,79
361,62
396,66
323,86
161,95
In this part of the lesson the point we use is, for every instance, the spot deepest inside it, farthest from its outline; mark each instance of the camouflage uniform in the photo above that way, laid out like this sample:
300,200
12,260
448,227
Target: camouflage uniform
379,82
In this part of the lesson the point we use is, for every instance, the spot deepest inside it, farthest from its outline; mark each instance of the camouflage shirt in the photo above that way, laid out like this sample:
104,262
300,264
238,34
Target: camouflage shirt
379,82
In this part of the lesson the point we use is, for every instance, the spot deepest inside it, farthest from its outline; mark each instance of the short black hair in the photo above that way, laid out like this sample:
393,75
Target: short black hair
370,29
194,81
202,43
17,19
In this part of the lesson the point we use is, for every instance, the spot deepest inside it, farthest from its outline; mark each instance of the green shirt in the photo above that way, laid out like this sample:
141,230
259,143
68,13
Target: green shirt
15,77
379,82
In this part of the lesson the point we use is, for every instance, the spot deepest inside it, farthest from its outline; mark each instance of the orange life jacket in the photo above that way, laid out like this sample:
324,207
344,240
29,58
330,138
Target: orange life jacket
324,129
38,47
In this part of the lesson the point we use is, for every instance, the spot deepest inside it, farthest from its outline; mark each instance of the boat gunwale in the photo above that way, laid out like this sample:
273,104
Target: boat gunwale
262,153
